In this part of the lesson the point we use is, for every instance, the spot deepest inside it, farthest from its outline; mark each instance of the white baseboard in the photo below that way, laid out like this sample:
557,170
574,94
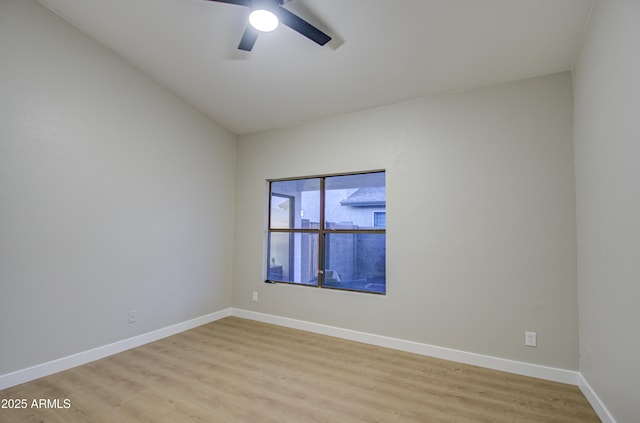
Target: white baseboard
505,365
25,375
595,401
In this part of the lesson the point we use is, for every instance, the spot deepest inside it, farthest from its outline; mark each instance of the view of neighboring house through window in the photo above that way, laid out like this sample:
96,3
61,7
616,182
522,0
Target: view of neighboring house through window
329,231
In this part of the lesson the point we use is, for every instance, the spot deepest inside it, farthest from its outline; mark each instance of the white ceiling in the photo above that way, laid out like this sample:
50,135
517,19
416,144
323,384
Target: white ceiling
383,52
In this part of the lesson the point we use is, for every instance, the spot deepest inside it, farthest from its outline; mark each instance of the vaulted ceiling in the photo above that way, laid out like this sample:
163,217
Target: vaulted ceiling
382,52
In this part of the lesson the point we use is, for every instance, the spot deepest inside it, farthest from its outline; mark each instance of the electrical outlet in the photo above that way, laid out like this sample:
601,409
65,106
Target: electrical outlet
530,339
132,316
254,296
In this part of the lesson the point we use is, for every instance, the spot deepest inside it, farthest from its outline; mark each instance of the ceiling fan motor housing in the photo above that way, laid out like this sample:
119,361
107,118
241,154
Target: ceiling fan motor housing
270,5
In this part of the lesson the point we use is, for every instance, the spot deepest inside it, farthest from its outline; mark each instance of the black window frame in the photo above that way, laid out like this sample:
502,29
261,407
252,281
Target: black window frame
321,231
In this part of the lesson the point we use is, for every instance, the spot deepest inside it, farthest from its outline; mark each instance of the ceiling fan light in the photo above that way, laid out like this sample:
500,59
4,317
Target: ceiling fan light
263,20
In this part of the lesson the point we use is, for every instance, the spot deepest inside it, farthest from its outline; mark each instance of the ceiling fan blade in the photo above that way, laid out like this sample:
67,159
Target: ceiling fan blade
248,38
303,27
238,2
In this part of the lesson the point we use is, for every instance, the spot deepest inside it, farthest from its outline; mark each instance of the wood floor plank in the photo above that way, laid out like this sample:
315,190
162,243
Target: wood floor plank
237,370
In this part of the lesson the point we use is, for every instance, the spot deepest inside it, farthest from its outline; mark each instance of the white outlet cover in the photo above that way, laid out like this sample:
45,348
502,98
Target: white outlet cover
530,339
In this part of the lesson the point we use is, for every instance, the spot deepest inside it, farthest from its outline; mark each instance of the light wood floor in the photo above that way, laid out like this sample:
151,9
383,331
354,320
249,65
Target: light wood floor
236,370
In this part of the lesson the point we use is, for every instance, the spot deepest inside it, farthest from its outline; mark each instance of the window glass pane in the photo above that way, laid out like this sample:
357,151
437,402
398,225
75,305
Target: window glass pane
295,204
293,257
352,200
355,262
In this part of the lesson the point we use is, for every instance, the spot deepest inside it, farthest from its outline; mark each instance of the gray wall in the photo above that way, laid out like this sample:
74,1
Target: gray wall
114,196
607,156
480,219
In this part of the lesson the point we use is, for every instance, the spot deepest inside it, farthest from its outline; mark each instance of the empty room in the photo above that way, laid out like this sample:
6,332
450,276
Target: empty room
366,210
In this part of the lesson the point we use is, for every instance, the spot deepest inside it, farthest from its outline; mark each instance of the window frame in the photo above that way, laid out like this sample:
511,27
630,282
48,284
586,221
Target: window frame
321,231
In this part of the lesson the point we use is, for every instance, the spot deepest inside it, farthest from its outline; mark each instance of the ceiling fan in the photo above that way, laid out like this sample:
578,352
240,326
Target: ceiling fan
265,17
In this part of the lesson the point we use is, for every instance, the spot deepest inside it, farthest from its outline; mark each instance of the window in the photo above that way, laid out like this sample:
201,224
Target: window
321,232
379,219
